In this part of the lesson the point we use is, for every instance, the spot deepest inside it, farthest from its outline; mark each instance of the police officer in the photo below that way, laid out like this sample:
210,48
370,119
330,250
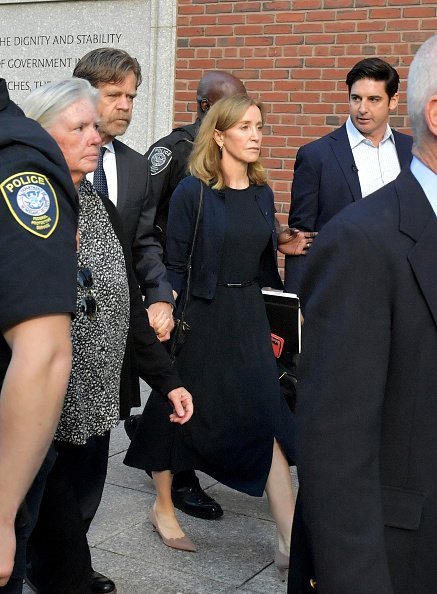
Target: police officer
38,219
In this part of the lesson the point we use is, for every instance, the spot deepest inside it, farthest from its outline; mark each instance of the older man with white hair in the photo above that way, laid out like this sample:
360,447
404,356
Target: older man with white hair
367,392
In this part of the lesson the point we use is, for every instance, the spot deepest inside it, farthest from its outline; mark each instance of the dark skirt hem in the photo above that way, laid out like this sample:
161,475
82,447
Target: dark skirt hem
250,487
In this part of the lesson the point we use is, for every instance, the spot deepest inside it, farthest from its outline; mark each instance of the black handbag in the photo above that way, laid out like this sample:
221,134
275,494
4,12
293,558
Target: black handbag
181,327
286,363
178,336
288,378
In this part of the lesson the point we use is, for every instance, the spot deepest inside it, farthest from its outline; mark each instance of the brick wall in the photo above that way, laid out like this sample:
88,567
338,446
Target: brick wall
294,55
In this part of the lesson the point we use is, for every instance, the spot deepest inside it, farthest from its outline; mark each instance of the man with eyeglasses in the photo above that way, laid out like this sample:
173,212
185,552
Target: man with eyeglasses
38,214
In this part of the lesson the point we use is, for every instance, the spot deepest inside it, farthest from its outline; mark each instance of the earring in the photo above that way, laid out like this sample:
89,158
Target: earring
221,147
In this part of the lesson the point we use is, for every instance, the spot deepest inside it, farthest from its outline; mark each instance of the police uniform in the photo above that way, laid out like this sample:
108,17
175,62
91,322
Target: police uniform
38,223
166,165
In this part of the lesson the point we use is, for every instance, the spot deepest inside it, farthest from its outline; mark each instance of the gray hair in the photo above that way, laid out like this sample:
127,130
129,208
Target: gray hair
48,102
422,84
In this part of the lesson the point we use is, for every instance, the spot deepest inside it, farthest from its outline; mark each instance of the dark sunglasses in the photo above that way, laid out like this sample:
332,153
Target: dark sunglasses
88,304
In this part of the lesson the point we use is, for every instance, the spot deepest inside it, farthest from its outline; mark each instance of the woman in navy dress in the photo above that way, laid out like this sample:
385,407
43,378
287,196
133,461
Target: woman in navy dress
241,432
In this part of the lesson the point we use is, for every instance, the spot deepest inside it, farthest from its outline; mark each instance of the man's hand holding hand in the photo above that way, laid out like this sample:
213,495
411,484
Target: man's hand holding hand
161,319
293,242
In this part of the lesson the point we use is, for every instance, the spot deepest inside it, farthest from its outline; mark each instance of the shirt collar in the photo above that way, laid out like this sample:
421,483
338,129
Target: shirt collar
109,147
427,179
355,136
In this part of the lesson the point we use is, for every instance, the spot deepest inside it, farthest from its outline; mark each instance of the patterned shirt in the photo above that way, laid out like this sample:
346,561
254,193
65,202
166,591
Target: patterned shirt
92,402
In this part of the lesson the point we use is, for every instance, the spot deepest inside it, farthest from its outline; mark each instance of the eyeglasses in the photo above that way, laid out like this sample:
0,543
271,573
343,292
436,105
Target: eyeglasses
88,304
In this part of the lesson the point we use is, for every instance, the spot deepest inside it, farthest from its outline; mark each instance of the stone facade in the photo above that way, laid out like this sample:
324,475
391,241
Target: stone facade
41,41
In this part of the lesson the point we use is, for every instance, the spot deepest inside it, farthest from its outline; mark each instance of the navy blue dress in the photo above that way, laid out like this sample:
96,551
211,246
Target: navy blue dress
228,365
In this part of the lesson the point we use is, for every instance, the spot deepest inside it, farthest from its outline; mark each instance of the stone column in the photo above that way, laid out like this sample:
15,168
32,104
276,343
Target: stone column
42,40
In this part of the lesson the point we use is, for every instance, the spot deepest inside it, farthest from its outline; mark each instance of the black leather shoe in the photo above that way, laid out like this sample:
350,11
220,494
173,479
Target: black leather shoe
192,500
131,424
100,584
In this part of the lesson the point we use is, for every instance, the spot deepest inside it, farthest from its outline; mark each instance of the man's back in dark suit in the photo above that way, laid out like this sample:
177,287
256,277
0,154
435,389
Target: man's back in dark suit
367,391
367,400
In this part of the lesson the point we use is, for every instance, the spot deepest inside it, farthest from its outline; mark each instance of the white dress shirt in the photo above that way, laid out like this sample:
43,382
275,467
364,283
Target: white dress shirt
110,168
377,165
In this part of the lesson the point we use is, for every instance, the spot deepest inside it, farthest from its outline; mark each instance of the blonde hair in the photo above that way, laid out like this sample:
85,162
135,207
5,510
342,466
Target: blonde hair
205,159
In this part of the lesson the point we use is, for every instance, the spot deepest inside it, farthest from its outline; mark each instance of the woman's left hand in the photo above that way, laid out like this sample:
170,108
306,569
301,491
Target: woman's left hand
183,405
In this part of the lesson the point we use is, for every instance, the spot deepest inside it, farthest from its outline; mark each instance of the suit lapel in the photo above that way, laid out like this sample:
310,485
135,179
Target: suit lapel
122,164
418,221
341,148
403,148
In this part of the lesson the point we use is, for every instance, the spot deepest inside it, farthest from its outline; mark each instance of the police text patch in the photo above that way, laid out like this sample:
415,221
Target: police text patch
32,201
159,159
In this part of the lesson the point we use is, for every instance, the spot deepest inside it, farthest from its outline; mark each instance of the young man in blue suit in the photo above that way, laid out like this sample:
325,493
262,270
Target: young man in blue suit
356,159
367,391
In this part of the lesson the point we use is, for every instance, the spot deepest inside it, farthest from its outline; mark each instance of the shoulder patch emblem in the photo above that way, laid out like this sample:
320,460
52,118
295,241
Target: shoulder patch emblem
159,159
32,202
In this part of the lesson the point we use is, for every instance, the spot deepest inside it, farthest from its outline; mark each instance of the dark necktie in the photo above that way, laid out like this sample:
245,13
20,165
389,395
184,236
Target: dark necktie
100,183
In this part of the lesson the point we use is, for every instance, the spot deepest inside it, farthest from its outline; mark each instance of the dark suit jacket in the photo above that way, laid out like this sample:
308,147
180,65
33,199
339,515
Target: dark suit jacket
367,397
138,215
144,356
325,181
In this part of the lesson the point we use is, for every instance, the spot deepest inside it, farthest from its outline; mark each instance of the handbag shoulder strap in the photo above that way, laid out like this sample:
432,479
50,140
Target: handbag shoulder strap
189,263
196,227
